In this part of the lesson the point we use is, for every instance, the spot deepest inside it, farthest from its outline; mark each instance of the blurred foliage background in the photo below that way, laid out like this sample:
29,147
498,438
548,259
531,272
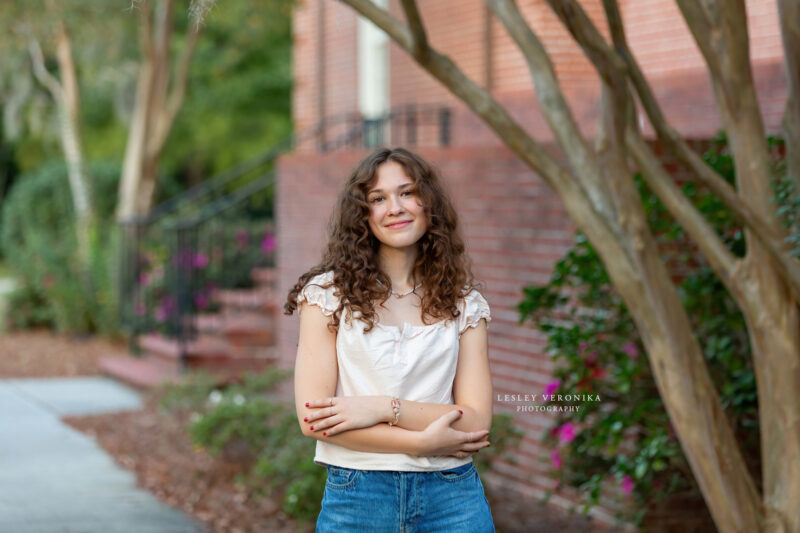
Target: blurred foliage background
237,105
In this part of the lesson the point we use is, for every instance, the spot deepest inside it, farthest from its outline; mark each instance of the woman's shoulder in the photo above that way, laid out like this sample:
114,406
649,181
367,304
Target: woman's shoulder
473,307
319,290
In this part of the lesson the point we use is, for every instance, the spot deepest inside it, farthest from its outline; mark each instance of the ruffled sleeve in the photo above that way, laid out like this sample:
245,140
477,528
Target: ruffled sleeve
474,307
314,293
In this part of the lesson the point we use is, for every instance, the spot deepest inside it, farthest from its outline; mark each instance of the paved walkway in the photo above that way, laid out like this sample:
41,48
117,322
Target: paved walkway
54,479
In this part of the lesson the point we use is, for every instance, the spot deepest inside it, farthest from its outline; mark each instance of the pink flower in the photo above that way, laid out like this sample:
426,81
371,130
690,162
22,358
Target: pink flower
566,433
268,244
591,358
627,485
140,309
631,350
555,458
552,387
583,347
201,300
144,279
166,309
200,260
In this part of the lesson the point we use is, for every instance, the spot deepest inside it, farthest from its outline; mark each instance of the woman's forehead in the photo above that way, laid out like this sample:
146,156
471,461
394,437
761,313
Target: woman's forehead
390,175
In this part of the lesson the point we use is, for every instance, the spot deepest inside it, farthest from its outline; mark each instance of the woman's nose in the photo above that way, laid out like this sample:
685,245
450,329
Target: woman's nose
395,206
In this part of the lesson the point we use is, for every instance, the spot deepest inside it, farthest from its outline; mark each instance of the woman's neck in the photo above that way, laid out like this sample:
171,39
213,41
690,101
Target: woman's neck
398,264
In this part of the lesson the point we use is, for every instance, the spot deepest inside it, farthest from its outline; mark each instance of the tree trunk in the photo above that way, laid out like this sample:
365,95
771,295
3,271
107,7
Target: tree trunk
155,108
67,97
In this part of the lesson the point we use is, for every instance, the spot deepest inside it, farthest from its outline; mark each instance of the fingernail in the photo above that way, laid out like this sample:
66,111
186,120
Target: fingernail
460,411
312,427
305,419
306,404
324,433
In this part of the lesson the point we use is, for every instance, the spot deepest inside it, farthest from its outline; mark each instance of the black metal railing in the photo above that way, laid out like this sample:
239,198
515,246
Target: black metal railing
177,258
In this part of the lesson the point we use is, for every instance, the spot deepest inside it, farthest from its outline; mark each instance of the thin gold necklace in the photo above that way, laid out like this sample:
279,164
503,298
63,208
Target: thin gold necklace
402,294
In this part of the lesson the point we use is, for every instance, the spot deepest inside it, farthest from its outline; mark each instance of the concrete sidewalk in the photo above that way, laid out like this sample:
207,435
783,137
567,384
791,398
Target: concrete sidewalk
54,479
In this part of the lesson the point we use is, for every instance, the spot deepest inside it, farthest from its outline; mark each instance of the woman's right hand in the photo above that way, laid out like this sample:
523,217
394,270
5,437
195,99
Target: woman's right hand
441,439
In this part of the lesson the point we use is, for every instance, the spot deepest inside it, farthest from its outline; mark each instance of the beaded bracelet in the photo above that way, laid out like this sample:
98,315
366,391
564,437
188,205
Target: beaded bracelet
395,410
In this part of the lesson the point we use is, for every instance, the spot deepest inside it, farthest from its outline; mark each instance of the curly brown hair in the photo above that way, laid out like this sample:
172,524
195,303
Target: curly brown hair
352,252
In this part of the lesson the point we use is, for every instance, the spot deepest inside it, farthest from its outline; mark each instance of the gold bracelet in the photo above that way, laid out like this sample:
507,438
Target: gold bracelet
395,410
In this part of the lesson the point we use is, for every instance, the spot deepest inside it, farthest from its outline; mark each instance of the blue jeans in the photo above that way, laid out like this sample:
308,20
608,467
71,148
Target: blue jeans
378,501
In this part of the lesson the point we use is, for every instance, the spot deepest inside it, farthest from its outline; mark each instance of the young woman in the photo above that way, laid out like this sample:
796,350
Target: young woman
392,372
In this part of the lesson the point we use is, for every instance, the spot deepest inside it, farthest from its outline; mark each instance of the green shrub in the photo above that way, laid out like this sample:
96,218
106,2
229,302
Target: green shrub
38,241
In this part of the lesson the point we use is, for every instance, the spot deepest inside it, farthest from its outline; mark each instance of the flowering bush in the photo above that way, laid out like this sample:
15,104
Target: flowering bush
224,257
626,439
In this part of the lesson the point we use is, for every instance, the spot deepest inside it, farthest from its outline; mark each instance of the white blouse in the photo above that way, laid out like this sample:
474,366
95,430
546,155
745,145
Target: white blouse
416,363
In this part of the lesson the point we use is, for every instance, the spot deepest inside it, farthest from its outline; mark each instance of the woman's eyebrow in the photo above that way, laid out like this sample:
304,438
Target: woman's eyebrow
409,184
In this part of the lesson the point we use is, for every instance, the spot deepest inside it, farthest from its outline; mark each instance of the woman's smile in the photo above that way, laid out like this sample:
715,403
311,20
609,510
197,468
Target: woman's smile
399,224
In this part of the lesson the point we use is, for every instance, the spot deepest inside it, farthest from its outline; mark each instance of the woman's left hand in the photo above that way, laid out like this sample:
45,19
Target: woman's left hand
342,413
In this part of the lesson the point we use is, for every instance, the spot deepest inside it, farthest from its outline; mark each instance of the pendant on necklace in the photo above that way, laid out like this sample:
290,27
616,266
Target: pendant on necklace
402,294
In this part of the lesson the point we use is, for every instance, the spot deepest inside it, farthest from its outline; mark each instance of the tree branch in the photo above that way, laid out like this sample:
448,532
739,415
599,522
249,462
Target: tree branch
40,70
179,82
555,108
719,257
762,229
420,48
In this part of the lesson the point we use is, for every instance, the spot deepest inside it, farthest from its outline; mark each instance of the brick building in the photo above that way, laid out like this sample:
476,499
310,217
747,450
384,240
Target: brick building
514,225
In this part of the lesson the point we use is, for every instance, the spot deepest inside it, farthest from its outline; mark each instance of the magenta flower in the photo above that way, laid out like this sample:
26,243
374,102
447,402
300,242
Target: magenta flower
627,485
200,260
631,350
144,279
201,300
583,347
166,309
268,244
591,358
552,387
555,458
566,433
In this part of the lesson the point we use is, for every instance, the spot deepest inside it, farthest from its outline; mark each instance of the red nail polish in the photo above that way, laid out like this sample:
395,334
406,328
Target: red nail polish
305,419
460,411
306,404
324,433
312,427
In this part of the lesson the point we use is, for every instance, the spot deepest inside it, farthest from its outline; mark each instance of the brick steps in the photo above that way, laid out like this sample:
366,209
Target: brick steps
240,338
136,371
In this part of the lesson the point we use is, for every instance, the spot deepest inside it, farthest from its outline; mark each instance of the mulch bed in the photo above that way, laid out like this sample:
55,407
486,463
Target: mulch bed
41,353
155,446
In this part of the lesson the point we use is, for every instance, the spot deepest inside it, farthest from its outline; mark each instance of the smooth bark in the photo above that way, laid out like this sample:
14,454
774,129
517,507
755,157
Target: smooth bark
66,95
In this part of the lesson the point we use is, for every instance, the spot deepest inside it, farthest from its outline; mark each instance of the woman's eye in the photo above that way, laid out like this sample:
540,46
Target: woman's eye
376,199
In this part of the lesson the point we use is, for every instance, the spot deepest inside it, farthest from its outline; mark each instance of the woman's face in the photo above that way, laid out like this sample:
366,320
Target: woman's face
396,217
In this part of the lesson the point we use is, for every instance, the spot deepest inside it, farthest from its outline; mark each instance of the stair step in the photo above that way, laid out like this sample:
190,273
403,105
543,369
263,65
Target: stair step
204,346
259,299
265,276
137,371
249,329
